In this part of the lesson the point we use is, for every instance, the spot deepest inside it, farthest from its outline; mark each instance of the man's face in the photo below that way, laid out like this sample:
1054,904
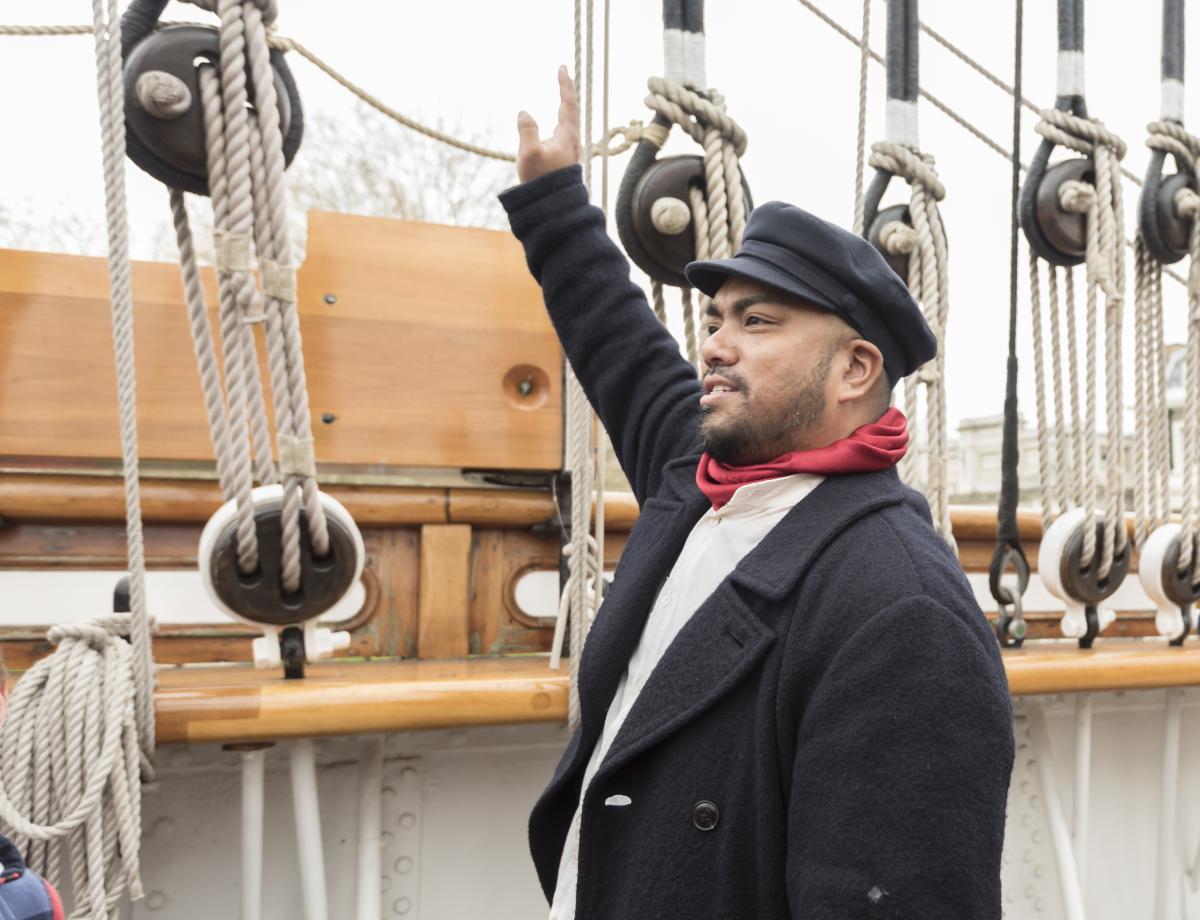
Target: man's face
767,361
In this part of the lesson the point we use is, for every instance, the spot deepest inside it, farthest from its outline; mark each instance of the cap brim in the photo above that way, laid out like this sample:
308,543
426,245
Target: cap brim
708,276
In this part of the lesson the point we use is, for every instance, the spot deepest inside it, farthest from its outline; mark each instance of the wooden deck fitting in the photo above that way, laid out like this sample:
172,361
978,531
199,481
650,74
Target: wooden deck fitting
236,703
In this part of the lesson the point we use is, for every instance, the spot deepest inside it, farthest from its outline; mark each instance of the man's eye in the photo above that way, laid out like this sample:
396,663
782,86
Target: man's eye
754,320
711,329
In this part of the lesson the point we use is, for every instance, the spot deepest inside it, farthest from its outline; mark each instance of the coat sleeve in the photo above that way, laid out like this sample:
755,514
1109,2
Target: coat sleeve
901,773
645,393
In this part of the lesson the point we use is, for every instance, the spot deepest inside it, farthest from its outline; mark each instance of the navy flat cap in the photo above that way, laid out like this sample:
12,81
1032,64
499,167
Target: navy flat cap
787,248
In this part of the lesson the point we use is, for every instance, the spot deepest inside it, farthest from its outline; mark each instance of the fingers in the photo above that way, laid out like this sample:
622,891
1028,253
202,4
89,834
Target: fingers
527,129
568,108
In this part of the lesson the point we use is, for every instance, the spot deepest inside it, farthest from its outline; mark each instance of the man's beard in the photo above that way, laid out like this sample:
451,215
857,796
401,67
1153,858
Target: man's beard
757,436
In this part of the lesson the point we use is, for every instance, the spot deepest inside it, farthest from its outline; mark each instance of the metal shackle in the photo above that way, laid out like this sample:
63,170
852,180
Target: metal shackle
874,221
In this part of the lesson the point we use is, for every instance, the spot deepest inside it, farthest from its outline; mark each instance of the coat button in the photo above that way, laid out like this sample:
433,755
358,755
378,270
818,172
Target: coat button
705,815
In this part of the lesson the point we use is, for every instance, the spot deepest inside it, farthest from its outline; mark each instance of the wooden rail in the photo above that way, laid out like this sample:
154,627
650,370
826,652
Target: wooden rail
236,703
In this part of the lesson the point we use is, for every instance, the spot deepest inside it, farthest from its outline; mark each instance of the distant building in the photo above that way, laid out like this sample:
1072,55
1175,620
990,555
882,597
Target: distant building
973,461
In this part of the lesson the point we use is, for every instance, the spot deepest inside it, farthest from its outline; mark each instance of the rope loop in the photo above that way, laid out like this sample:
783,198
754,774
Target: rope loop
1082,135
1171,137
696,113
910,165
631,135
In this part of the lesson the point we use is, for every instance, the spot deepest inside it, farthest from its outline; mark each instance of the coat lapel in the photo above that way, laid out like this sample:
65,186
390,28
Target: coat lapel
726,638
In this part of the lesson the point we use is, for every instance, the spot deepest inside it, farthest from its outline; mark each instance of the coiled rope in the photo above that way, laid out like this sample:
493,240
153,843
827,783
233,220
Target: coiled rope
1101,204
79,734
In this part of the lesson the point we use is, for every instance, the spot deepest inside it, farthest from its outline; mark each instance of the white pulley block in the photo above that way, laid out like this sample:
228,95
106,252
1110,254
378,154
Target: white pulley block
1151,572
249,600
1055,545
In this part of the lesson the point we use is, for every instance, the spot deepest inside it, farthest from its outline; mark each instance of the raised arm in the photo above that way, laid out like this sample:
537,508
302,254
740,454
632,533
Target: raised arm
645,393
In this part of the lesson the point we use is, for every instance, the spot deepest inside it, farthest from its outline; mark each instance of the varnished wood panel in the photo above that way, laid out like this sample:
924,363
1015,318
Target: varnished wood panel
410,332
443,619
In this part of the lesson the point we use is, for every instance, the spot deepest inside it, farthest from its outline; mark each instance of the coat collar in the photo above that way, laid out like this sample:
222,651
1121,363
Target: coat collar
776,565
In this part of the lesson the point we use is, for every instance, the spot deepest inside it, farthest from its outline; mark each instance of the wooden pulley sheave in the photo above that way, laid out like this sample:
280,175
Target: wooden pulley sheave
673,210
163,112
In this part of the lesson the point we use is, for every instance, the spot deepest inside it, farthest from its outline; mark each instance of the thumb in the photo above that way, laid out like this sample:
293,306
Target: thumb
527,129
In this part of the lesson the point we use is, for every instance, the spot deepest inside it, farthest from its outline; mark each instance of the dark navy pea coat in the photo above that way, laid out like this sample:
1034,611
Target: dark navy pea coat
830,735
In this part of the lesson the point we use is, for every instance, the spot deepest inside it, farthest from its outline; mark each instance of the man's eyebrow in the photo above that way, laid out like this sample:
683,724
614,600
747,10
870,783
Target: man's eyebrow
739,306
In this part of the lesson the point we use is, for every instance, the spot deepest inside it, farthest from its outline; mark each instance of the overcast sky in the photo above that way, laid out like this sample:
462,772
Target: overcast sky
789,80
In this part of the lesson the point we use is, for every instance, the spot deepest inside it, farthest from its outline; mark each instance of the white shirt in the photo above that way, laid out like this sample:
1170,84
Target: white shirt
713,549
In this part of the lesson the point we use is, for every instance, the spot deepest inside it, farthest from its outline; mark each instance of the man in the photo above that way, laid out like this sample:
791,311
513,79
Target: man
792,706
24,895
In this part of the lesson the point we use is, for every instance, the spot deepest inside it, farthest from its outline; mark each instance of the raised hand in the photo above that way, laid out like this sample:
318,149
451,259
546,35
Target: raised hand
536,157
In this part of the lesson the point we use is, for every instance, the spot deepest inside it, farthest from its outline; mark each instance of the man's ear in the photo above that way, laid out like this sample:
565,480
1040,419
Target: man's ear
861,370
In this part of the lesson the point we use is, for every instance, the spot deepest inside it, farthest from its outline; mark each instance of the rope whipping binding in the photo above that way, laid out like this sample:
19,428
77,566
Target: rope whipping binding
915,240
1073,212
79,733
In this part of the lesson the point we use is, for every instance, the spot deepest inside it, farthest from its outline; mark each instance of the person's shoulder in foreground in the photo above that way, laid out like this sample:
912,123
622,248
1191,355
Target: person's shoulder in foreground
24,895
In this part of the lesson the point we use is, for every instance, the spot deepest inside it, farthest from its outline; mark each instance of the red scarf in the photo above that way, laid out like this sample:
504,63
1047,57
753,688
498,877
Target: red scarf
871,447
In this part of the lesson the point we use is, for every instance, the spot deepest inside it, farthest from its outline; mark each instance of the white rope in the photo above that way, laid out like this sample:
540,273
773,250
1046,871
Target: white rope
928,278
1101,204
860,142
1171,137
246,183
79,731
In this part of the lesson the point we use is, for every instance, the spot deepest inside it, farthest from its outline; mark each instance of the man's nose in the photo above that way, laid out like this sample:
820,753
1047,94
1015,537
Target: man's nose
717,349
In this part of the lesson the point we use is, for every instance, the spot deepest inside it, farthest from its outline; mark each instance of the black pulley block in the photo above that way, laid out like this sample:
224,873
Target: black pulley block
172,148
259,596
1084,582
1065,231
654,211
1058,236
897,260
1164,232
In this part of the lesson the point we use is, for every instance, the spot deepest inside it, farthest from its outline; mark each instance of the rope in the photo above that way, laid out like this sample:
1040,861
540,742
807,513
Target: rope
70,762
580,594
925,245
285,43
719,209
1171,137
79,732
860,144
1101,203
246,184
966,124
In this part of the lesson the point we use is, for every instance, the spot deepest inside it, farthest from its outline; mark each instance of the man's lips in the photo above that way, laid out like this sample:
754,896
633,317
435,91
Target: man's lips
716,389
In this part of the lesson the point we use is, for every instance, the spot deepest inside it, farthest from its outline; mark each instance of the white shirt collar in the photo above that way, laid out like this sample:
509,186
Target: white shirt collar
770,494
